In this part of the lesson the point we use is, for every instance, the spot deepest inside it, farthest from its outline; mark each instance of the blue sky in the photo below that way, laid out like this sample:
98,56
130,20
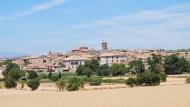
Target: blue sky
37,26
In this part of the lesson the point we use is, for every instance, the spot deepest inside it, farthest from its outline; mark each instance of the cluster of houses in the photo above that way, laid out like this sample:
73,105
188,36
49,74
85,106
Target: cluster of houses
55,61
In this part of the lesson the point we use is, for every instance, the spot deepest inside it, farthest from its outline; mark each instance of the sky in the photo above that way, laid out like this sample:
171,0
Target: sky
40,26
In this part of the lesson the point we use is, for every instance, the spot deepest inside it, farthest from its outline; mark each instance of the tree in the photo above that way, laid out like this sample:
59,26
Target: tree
163,77
22,82
159,68
6,62
60,84
93,65
10,82
183,65
61,64
54,77
9,67
130,82
89,68
176,65
59,75
136,66
12,73
104,70
33,84
87,71
32,75
187,80
15,73
74,84
84,70
171,64
118,69
148,78
79,70
154,60
95,81
1,64
49,75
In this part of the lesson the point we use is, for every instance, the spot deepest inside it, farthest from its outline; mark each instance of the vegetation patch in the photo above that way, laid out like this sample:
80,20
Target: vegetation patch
187,80
163,77
130,82
61,84
114,81
95,81
10,83
74,84
33,84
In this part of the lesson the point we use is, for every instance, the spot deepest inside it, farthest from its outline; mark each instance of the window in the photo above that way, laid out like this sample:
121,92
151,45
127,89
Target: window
29,62
106,61
76,62
72,63
44,61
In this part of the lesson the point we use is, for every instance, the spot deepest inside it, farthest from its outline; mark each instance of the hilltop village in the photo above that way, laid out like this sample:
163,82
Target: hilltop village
69,61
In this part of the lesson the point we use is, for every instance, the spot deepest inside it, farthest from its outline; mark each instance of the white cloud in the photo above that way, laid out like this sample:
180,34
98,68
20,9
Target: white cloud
166,28
34,9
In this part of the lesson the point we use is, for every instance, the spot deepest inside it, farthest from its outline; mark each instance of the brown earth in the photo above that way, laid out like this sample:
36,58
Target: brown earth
173,93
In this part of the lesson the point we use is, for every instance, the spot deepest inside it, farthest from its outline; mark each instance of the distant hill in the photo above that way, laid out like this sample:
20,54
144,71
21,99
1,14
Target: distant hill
9,54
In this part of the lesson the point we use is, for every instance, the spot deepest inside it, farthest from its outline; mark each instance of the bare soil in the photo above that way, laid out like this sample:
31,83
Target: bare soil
173,93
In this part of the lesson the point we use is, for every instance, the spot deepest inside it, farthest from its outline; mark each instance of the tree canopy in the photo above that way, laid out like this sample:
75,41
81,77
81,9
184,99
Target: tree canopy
118,69
136,66
153,61
176,65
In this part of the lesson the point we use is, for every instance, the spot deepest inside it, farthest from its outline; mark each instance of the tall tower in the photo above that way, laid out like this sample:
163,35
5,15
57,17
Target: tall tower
104,45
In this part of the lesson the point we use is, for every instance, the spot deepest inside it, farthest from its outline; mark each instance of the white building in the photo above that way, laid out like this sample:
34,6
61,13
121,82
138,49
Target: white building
72,62
1,72
111,58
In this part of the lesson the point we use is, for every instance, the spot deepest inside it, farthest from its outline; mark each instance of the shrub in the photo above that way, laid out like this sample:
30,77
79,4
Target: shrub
114,80
131,82
148,78
9,67
1,85
65,74
54,77
104,70
118,69
2,79
13,70
95,81
22,82
10,82
83,70
32,75
42,76
33,84
74,84
187,80
49,74
163,76
60,84
59,75
15,73
82,82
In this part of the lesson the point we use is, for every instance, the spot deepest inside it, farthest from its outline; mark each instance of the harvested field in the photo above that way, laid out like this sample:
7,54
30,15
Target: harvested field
174,93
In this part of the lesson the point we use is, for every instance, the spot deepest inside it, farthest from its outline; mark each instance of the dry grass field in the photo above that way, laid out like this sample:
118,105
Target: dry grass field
174,93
